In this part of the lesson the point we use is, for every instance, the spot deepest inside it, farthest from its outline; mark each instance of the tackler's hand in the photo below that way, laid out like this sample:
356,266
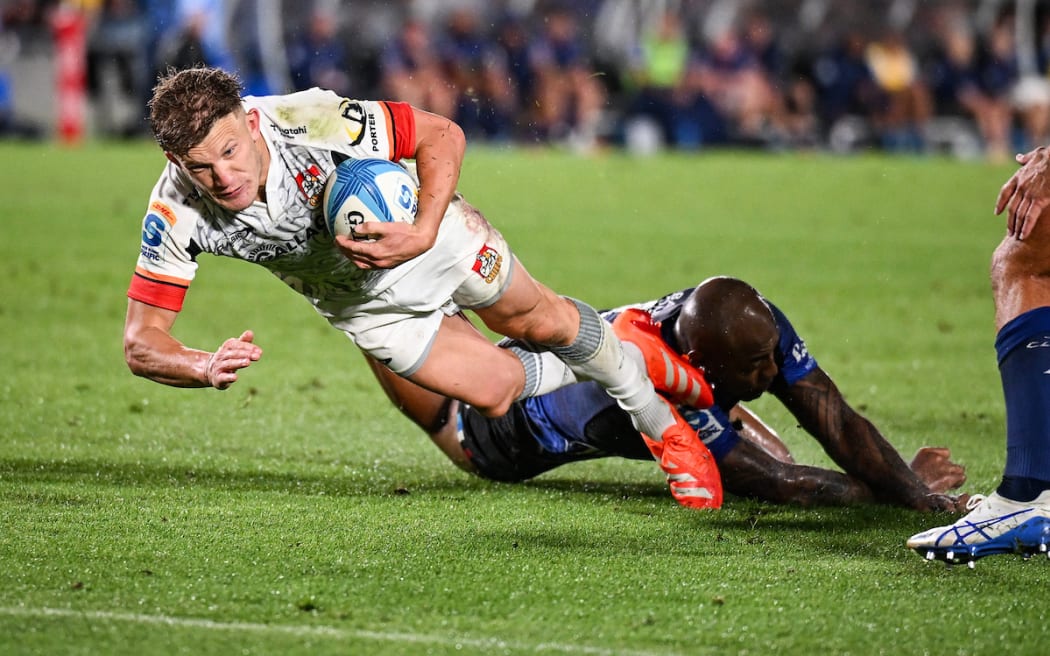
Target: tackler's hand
934,467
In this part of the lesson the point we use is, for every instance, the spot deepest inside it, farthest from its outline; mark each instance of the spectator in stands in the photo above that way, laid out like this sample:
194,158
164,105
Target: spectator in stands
844,83
731,77
907,105
11,125
760,38
410,71
954,78
183,46
318,58
116,71
512,38
477,70
569,98
659,74
209,21
1029,96
795,96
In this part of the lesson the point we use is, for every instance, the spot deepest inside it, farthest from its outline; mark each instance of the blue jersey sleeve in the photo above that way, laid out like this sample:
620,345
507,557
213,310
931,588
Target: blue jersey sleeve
793,357
713,428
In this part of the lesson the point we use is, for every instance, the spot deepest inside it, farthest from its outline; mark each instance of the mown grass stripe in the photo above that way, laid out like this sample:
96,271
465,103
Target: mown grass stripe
313,631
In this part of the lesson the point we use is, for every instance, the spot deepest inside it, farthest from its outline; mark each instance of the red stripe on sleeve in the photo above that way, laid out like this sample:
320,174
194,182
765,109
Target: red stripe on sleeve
159,294
404,130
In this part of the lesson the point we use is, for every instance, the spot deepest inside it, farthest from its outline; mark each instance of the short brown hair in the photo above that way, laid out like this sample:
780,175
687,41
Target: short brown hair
187,103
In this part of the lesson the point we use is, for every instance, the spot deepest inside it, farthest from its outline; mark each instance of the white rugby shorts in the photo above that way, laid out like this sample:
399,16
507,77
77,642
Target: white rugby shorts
469,267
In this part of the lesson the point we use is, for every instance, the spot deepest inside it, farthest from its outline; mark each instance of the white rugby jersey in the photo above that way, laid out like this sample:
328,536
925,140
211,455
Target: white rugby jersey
307,133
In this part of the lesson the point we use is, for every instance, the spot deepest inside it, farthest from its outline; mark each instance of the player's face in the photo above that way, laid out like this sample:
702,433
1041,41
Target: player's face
744,370
230,163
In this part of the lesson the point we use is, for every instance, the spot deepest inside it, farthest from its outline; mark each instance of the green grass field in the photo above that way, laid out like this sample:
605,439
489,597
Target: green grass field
297,513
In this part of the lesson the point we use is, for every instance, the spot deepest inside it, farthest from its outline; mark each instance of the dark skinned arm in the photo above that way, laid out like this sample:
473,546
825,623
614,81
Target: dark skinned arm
750,471
855,444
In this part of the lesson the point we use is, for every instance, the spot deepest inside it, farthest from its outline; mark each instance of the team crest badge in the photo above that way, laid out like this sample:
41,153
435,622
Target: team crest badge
310,185
487,263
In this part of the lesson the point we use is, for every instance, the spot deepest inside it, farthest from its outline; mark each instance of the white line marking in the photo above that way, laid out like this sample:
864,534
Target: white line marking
316,631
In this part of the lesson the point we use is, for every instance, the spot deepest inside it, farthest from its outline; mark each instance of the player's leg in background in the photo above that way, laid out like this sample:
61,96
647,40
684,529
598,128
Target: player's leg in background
435,413
1021,286
447,440
1016,517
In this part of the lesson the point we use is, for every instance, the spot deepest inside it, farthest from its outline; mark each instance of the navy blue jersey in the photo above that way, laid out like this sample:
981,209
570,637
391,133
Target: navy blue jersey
582,421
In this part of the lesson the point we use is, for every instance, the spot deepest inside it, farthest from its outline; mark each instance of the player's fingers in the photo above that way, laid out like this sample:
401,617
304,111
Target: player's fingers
1022,213
242,346
227,354
373,229
223,367
1031,217
364,261
940,502
934,452
941,452
1011,218
234,361
1019,227
373,261
1013,214
1005,194
250,351
361,253
218,375
355,251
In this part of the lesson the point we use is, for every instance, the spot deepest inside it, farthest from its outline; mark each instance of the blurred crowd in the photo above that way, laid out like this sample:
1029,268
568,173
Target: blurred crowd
968,77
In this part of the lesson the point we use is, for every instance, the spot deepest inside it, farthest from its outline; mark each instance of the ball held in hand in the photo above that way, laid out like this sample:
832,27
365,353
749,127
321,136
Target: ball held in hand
363,190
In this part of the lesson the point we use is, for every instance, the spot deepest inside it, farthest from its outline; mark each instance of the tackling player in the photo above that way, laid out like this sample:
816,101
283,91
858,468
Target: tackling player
244,179
746,347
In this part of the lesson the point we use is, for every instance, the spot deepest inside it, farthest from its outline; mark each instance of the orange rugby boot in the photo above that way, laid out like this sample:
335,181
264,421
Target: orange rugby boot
672,375
691,470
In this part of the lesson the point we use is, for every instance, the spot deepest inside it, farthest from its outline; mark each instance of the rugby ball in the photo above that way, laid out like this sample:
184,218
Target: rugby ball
363,190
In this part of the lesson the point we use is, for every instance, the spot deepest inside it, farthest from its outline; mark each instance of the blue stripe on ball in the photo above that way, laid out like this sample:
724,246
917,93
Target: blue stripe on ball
357,177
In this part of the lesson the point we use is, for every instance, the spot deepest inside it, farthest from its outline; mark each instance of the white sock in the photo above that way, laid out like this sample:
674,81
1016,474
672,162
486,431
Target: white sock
544,371
598,354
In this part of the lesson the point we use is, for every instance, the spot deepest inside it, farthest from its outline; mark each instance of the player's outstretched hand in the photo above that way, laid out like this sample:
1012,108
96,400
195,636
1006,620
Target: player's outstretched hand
1026,194
235,353
934,467
384,245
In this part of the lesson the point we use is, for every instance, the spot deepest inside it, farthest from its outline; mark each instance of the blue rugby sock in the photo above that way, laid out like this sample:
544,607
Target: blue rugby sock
1023,349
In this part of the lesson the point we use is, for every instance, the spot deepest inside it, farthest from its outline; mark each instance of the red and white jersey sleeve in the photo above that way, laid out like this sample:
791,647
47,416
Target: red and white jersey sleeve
167,261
